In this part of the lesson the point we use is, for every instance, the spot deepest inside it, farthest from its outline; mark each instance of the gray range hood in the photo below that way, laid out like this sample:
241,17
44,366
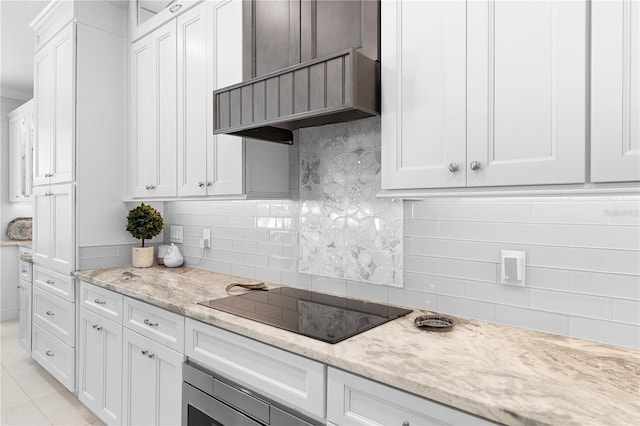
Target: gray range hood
340,87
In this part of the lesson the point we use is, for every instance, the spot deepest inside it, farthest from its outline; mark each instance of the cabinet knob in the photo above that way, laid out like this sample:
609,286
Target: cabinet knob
405,423
144,352
175,8
149,323
24,271
49,353
209,184
100,302
453,167
50,313
200,184
475,165
150,355
50,282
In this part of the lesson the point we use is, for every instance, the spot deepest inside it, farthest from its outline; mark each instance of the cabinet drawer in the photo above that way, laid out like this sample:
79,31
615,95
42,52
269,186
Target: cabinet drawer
291,379
156,323
56,357
56,283
55,315
25,269
101,301
354,400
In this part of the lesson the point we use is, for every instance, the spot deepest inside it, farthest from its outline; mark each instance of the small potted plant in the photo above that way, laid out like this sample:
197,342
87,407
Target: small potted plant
144,222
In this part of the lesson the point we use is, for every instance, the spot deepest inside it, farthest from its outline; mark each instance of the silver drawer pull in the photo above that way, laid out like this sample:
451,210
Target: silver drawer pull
51,282
405,423
50,313
144,352
49,353
150,355
24,271
100,302
149,323
97,327
175,8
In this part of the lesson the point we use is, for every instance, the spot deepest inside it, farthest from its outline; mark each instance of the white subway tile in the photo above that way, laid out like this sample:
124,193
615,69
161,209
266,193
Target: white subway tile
412,299
604,284
547,278
226,256
614,333
256,234
534,233
570,258
290,251
625,212
222,221
282,263
497,293
489,252
626,311
420,228
475,231
499,210
296,279
329,285
269,222
436,247
233,233
243,270
614,237
255,260
626,262
571,304
270,275
98,251
244,246
440,210
434,284
244,222
222,244
455,268
532,319
285,237
269,249
467,308
367,291
571,211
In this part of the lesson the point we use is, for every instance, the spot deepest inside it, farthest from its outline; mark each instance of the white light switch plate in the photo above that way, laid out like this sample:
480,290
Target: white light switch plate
177,234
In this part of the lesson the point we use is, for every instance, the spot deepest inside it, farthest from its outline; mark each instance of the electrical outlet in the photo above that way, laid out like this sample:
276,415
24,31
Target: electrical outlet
206,237
177,234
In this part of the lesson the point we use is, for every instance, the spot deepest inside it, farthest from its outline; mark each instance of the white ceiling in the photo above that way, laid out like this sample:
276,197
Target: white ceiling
17,46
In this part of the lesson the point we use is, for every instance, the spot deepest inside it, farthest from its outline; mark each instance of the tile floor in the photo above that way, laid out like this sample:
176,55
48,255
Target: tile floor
31,396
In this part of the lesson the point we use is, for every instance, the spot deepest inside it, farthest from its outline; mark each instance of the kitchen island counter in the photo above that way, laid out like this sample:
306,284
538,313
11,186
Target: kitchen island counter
506,374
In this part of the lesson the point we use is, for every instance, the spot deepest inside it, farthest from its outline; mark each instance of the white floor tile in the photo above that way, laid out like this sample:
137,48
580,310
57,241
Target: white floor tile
11,394
23,414
63,408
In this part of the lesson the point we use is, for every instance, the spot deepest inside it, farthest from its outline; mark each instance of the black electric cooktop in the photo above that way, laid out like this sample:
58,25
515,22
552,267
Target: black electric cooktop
317,315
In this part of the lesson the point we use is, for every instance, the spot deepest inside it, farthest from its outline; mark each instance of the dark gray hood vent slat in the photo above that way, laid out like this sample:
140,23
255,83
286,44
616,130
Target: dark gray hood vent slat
341,87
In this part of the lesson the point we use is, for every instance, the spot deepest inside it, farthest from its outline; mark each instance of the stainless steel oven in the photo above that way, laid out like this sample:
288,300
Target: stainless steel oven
208,399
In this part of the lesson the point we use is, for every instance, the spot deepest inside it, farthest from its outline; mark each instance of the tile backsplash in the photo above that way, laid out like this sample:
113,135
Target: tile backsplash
583,256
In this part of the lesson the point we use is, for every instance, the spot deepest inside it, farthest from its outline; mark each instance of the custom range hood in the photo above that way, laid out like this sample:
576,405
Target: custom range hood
321,67
341,87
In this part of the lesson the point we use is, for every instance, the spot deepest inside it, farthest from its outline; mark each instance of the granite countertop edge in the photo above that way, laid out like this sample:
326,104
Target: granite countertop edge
480,382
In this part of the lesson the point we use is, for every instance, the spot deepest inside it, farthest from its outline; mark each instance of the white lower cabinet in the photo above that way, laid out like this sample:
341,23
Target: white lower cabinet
293,380
100,369
152,378
24,306
353,400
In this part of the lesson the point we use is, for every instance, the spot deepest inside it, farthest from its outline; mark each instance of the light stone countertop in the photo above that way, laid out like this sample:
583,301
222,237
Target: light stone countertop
506,374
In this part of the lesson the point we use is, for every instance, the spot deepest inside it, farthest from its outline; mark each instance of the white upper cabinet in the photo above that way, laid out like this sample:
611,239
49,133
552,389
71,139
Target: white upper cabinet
615,91
483,93
54,90
153,121
526,92
21,134
423,93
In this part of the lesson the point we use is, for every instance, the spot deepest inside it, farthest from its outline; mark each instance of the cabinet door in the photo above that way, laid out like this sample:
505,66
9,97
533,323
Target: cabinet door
152,377
423,94
62,232
100,366
153,100
193,98
24,304
43,94
225,153
615,91
42,226
526,92
63,84
17,127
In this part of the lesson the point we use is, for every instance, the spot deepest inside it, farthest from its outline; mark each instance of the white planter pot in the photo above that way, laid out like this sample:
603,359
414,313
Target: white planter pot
142,257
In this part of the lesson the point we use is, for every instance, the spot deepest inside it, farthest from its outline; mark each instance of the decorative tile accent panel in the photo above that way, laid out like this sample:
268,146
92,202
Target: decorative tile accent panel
345,231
